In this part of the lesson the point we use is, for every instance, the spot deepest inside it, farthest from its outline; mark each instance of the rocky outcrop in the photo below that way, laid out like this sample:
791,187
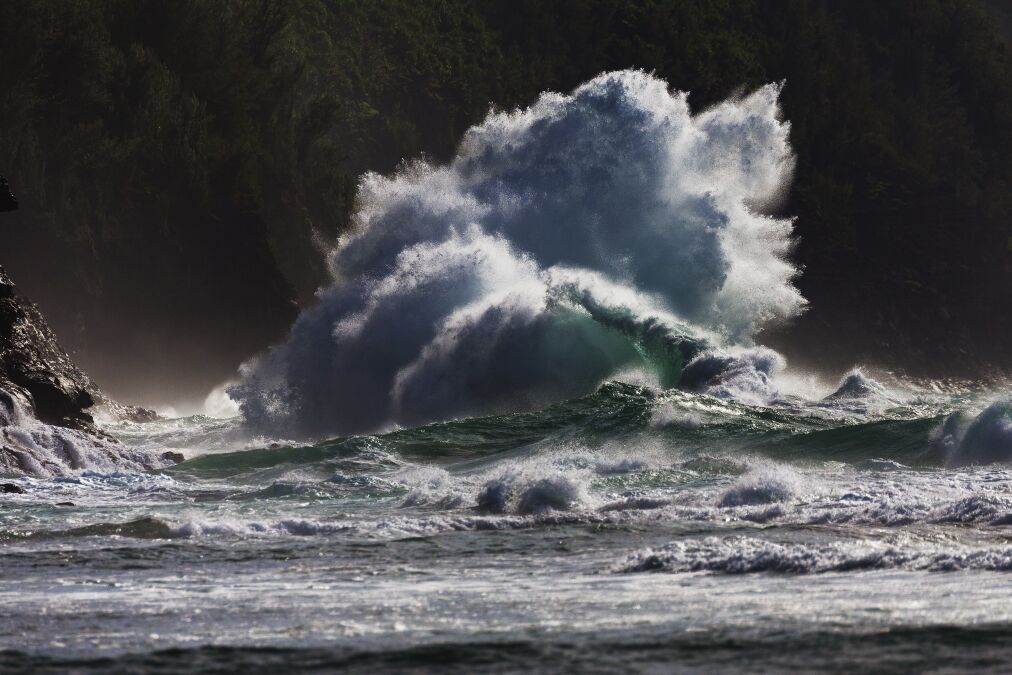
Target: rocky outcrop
45,400
33,365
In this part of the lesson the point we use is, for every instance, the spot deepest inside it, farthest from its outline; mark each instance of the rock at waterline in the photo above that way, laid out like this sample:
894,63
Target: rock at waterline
46,426
11,489
32,360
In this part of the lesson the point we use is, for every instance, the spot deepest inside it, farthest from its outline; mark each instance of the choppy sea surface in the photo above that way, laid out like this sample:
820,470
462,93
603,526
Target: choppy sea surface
634,529
703,509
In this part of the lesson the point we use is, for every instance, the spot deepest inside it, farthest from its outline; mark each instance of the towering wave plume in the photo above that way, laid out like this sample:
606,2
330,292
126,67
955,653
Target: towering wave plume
593,232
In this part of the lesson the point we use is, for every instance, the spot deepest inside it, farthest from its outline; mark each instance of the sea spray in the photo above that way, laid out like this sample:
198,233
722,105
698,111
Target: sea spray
589,234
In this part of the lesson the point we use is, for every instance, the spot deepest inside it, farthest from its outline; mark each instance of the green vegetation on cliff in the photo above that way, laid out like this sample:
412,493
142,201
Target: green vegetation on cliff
180,161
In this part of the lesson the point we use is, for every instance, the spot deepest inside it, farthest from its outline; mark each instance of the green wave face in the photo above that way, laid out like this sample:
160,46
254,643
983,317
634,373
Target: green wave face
627,416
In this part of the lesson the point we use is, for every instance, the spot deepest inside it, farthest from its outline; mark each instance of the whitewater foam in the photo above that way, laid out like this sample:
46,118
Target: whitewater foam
764,484
29,446
745,555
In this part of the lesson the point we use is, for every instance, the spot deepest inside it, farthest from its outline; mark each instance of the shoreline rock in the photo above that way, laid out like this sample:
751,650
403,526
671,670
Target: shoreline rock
33,362
46,401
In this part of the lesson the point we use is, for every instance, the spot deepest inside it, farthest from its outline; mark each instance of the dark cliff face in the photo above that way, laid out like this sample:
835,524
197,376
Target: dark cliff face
33,365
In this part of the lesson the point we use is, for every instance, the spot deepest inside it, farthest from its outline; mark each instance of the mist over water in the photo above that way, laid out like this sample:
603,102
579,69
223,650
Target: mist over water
591,233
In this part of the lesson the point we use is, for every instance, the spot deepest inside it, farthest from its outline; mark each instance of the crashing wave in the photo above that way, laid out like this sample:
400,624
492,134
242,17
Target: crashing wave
514,492
590,234
745,376
857,385
860,393
987,438
764,484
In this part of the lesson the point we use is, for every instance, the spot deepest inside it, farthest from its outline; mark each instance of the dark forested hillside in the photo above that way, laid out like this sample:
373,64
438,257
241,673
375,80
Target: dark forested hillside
180,163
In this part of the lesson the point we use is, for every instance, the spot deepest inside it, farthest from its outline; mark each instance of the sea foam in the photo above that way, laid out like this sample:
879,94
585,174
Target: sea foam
744,555
764,484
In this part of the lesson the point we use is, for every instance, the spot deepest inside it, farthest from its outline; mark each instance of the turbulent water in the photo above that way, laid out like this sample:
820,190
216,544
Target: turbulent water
633,528
527,428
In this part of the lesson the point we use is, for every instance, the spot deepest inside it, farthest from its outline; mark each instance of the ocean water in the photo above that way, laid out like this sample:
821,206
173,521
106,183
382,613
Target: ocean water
528,427
634,529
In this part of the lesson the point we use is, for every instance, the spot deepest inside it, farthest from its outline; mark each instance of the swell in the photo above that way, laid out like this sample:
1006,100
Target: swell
613,410
618,415
906,441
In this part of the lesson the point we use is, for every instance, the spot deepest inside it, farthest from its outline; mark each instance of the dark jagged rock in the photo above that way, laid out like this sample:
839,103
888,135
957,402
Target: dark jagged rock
45,400
32,360
175,457
11,489
8,202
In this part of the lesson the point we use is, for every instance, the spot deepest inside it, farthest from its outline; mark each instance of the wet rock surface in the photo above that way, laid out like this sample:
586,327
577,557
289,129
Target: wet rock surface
32,362
46,402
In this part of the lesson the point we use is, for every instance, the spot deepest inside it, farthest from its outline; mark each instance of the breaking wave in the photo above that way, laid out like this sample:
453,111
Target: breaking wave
987,438
766,484
592,233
